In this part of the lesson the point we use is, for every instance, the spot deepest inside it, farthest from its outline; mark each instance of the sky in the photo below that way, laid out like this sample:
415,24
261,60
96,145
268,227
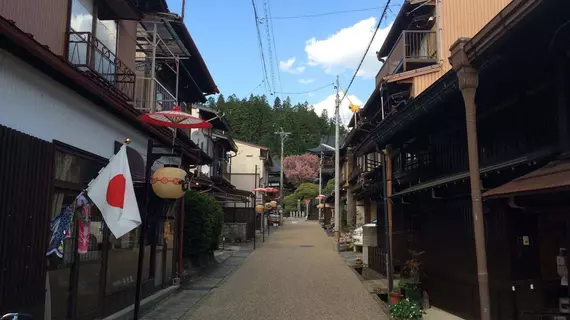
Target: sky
308,53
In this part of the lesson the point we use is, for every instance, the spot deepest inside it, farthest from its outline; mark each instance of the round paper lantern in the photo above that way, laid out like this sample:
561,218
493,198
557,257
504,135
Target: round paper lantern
167,182
320,206
273,204
268,206
259,208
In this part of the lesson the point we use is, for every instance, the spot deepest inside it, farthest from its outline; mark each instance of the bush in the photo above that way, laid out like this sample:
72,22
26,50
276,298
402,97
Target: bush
203,221
406,310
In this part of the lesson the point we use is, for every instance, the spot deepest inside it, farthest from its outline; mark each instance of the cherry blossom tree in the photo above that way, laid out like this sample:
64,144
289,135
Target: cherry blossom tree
301,168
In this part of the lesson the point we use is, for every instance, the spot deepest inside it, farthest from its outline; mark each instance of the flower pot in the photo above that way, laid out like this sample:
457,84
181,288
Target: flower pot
394,297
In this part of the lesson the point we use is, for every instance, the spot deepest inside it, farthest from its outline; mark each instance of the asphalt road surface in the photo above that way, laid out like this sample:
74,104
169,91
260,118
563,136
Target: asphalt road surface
295,275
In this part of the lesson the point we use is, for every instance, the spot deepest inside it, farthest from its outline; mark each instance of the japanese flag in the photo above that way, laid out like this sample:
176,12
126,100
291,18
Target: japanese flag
113,193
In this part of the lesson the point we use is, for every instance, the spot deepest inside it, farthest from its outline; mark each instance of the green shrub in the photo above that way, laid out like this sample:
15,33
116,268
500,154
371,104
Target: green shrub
203,221
406,310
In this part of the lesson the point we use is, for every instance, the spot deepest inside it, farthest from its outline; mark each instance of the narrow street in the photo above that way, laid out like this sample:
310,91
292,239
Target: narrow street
295,274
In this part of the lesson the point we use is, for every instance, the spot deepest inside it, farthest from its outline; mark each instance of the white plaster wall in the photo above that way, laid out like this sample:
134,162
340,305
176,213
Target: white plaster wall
34,103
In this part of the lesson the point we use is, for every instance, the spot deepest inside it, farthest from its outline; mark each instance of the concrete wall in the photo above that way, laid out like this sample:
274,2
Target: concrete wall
37,105
245,161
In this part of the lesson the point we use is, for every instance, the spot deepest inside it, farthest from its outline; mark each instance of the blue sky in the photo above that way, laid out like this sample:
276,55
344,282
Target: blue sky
310,51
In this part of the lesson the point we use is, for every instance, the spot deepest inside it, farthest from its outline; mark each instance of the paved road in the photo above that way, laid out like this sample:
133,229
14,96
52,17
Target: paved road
295,275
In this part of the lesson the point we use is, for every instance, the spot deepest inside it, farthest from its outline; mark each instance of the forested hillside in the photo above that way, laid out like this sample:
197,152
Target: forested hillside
255,120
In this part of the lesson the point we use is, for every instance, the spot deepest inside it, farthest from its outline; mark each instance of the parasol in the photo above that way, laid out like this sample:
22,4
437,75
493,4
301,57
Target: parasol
176,119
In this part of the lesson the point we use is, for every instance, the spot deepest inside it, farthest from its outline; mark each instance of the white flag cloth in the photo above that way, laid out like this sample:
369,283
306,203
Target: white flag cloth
113,193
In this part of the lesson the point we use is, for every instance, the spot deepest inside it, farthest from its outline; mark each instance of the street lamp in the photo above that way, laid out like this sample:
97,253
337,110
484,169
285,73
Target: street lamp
168,182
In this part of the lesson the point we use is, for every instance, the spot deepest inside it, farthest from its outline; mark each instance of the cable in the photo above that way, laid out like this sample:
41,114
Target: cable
269,41
325,14
275,50
304,92
260,42
259,85
367,48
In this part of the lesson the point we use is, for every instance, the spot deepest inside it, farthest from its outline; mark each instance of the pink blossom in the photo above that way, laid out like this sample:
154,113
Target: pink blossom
301,168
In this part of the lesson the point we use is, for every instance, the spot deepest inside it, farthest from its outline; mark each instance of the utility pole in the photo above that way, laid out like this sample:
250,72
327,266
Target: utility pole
283,135
337,214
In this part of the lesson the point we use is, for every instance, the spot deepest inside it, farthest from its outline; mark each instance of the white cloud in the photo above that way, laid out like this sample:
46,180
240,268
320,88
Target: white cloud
287,66
329,103
344,49
306,81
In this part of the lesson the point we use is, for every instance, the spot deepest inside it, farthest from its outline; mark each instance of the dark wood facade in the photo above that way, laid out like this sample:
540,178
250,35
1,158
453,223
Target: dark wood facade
522,123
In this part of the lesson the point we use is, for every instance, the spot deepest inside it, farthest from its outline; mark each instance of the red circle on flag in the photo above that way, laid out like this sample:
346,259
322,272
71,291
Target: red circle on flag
116,191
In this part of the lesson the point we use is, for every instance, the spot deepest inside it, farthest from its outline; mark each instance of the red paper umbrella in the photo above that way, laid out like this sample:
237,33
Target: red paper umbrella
259,190
320,196
174,118
271,190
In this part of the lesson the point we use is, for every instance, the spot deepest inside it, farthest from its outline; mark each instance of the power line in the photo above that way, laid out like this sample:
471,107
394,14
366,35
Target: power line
260,43
275,50
269,41
382,17
304,92
259,85
325,14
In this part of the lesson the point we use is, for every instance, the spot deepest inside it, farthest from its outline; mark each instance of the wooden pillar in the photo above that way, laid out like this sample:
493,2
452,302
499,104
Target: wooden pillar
468,83
388,152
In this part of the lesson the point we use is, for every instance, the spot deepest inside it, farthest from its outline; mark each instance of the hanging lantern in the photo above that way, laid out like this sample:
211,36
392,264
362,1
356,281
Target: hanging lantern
168,182
259,208
268,206
273,204
320,206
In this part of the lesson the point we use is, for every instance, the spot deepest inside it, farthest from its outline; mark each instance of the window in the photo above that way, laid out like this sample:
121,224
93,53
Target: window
99,39
72,173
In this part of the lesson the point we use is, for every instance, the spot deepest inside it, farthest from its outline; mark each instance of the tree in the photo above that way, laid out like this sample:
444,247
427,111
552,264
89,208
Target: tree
290,203
329,187
301,168
307,191
203,220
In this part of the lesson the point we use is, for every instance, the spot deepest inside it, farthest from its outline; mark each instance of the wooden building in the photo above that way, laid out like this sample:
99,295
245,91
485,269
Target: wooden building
522,131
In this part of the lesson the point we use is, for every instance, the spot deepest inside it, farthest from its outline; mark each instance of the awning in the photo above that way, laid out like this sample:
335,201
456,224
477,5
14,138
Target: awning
465,175
553,177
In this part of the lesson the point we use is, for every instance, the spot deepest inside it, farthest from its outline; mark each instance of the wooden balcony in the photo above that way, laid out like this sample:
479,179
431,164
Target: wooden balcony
90,55
413,49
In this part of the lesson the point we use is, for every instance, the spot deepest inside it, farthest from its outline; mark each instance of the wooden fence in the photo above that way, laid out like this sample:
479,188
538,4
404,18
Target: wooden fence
26,174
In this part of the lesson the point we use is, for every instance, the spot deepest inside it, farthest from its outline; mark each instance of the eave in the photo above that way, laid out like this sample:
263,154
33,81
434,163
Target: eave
40,57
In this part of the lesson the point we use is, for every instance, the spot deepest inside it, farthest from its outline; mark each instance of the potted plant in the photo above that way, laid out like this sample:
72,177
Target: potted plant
406,310
395,296
412,285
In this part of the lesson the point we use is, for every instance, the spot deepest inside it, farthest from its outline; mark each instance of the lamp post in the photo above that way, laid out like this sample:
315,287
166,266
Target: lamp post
168,182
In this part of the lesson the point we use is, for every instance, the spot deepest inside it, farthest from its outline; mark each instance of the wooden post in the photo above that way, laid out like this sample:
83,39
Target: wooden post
468,83
389,196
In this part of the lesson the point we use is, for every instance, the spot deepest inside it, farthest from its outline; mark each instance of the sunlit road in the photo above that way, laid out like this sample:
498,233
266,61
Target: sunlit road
295,274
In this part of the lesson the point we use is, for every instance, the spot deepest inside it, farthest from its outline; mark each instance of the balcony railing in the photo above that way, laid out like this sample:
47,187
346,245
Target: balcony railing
221,170
414,49
151,95
90,55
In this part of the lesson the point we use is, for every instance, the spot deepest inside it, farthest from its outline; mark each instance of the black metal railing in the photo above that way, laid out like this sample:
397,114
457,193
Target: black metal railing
413,46
89,54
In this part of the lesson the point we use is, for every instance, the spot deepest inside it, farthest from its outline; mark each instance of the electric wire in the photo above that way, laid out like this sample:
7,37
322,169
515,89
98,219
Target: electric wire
270,55
325,14
305,92
260,43
382,17
275,49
